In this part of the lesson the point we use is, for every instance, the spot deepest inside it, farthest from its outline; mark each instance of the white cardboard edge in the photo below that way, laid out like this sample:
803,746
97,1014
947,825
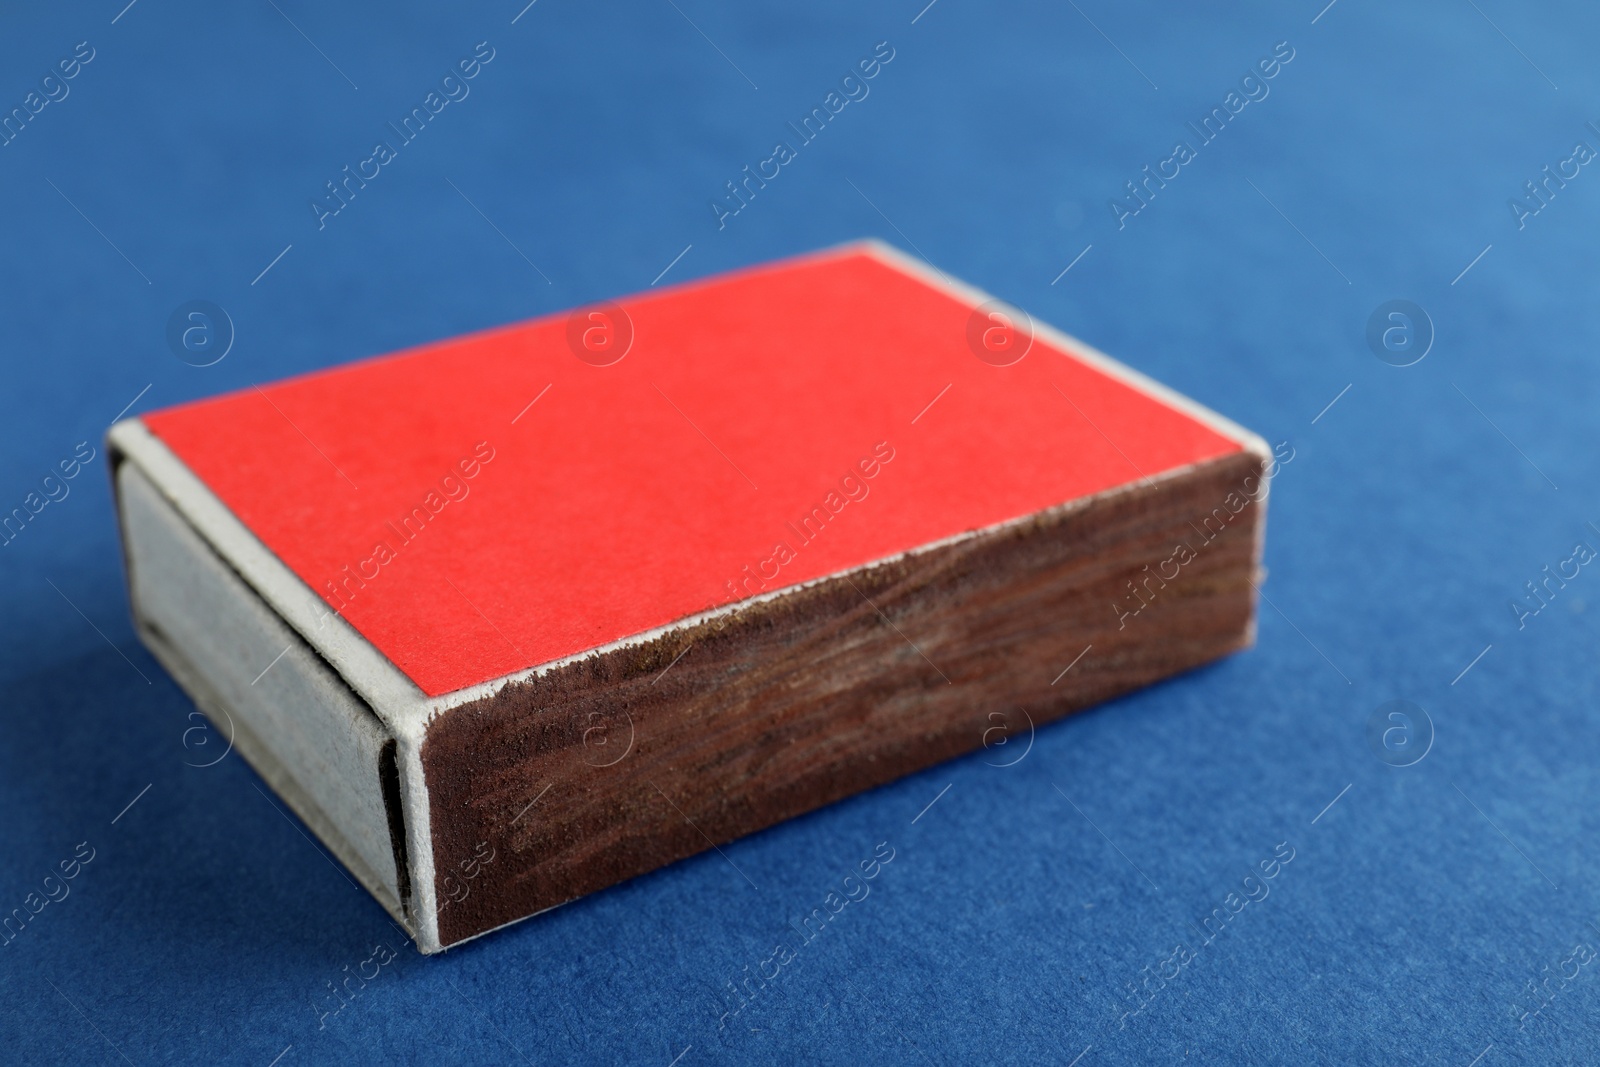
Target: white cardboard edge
494,685
406,710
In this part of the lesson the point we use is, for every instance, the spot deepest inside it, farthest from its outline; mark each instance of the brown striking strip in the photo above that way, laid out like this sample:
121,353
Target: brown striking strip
615,765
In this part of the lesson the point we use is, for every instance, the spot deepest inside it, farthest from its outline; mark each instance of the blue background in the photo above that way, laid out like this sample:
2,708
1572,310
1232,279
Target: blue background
1023,907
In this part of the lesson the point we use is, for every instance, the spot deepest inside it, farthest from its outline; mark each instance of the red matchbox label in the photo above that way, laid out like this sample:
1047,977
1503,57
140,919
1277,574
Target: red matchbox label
502,500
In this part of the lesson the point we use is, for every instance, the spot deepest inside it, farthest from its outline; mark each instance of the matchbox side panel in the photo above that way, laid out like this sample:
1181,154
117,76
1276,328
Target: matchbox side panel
517,497
617,764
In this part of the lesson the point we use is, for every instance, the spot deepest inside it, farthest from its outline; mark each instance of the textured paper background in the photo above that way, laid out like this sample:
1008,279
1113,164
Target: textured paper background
1411,919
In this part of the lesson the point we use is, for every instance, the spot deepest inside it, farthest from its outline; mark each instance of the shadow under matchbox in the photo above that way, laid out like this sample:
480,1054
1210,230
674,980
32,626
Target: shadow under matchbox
513,617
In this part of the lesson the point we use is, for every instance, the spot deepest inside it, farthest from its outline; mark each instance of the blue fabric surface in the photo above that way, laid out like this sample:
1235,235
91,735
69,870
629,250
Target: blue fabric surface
1048,911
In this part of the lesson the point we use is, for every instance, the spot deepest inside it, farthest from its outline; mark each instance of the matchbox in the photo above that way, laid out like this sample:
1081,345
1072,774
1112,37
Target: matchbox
513,617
